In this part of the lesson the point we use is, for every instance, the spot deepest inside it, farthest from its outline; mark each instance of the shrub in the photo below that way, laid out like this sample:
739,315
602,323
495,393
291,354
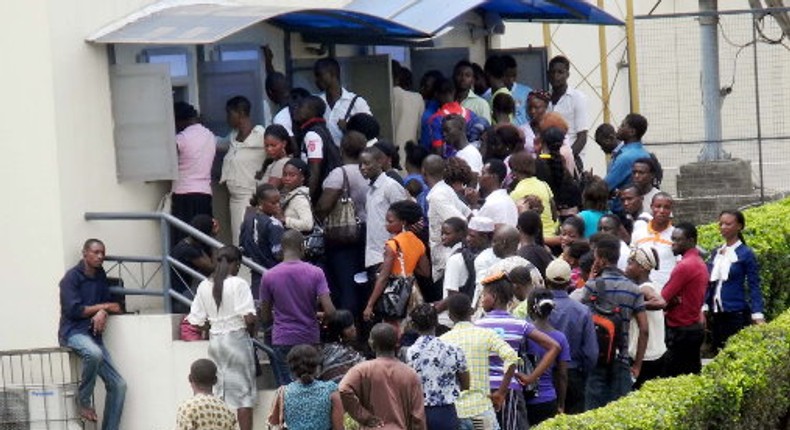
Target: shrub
768,234
747,386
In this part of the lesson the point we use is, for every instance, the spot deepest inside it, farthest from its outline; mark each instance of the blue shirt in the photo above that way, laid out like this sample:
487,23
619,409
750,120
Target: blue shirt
575,321
591,218
546,390
431,106
78,291
620,171
520,93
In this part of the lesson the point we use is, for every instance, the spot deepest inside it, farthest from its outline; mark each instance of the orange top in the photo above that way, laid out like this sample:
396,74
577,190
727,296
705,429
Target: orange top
412,248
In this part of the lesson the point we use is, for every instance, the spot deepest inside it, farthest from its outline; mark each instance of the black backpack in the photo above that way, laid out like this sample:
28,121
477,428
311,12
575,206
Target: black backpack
469,261
609,324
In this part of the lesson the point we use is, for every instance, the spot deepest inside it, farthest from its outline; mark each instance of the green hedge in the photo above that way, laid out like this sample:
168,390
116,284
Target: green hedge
747,386
768,233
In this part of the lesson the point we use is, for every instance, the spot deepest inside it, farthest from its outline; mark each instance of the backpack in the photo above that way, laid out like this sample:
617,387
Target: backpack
469,262
608,322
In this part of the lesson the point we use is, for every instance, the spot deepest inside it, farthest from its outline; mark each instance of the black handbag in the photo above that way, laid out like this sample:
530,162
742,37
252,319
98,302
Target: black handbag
394,300
526,365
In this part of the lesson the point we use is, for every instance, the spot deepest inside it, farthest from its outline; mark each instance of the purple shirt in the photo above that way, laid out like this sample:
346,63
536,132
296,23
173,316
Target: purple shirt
293,288
512,330
546,391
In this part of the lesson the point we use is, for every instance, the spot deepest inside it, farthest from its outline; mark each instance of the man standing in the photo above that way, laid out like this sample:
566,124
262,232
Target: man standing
497,203
464,80
84,307
656,233
575,321
341,103
684,294
383,192
476,405
204,411
443,203
645,175
630,132
570,103
609,292
454,137
407,110
289,294
384,393
518,90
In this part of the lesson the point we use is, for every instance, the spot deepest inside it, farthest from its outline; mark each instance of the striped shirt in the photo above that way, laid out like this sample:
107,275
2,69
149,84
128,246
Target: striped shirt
477,343
513,331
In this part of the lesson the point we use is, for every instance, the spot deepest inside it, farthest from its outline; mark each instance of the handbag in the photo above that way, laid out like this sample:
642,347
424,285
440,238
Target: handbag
394,300
342,225
188,332
277,422
314,242
526,365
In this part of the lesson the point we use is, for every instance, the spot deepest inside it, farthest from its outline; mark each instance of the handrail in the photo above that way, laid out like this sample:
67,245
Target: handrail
166,220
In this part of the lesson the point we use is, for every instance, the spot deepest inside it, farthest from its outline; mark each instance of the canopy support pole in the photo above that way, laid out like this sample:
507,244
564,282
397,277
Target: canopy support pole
633,79
603,49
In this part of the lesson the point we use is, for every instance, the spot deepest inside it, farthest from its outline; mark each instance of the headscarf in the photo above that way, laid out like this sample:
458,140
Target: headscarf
645,258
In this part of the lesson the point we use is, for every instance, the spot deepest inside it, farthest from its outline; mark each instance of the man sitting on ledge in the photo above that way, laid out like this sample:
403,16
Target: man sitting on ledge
84,307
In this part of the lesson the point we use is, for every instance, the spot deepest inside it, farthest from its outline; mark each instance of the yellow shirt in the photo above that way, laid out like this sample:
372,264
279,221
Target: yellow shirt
534,186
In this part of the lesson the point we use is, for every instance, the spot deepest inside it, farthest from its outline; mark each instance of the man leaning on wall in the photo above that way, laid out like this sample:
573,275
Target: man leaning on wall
84,307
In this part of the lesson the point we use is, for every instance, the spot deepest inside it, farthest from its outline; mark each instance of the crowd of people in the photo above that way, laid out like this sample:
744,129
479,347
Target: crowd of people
492,283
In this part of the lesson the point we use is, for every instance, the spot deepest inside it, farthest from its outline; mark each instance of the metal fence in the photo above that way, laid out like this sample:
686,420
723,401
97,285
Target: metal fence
754,65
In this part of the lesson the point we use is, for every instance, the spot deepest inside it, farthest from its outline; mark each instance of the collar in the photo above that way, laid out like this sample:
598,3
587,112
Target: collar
460,325
375,183
471,94
691,252
307,124
656,232
731,247
498,313
559,294
618,148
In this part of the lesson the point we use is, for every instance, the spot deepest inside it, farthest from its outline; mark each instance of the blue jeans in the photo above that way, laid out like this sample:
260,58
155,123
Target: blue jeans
282,374
96,361
606,384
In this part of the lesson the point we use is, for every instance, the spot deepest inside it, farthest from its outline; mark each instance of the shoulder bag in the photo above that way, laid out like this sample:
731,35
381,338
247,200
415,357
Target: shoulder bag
394,300
342,225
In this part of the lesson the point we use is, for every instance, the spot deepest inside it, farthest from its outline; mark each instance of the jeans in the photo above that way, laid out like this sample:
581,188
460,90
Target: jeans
513,414
96,361
608,383
441,417
484,421
683,350
282,373
342,263
574,397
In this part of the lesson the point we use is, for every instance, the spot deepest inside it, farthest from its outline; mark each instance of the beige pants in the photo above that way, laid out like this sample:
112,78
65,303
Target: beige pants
238,202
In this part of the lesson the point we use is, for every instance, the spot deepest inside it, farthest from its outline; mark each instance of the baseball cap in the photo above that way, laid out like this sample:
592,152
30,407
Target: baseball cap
558,271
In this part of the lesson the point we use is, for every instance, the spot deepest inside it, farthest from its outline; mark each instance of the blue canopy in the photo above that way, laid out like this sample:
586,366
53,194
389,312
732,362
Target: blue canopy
430,16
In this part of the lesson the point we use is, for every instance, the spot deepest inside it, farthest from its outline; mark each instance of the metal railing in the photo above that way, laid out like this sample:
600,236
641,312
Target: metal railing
166,261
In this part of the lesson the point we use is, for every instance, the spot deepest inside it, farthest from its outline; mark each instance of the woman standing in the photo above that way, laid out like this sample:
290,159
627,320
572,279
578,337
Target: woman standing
224,301
523,167
404,254
307,403
553,383
733,269
244,157
277,145
297,214
537,105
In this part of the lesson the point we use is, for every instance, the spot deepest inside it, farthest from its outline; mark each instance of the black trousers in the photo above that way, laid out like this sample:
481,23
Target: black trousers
683,350
726,324
185,207
650,370
574,397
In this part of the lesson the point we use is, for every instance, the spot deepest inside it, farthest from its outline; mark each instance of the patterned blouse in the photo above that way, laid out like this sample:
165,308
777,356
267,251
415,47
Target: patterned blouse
205,412
308,407
438,364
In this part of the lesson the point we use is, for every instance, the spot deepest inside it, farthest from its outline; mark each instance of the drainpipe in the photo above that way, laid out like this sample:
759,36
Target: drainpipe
711,87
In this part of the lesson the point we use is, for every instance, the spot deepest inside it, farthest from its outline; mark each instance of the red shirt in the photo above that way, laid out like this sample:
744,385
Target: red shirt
685,290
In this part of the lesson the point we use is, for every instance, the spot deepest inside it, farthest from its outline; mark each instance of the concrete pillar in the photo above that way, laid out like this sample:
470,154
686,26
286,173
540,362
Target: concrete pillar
711,92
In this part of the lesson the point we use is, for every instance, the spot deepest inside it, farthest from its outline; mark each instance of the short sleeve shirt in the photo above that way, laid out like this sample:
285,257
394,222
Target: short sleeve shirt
205,412
437,363
573,108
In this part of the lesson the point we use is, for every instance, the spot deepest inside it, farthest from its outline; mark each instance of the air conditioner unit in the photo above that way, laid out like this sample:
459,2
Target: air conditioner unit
42,407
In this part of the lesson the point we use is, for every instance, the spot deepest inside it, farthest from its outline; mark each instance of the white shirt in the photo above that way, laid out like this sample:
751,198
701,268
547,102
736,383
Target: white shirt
647,200
283,117
236,302
407,110
625,252
573,107
382,193
472,156
483,262
338,112
645,237
443,204
720,271
655,325
500,208
243,159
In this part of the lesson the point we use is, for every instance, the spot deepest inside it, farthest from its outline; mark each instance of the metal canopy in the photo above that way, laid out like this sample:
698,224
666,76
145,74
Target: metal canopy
430,16
169,23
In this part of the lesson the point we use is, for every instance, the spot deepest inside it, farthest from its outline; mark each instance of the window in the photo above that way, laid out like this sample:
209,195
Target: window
237,52
179,62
